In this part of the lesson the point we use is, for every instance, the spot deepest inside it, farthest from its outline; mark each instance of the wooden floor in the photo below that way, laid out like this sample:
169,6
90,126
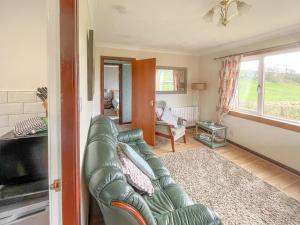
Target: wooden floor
280,178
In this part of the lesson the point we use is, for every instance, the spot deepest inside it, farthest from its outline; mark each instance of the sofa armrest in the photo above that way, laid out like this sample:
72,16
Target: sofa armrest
120,195
130,135
109,187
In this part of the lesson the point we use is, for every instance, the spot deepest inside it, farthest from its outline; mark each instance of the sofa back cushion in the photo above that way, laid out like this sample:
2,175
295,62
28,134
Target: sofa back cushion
139,161
101,146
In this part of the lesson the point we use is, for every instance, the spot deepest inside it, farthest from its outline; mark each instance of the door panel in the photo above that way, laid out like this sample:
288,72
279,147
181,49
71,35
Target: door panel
143,97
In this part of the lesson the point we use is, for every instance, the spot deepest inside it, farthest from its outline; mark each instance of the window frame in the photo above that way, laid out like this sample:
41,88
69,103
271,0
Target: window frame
259,115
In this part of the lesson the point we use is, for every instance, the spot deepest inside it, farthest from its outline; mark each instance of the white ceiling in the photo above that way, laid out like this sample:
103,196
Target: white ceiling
177,25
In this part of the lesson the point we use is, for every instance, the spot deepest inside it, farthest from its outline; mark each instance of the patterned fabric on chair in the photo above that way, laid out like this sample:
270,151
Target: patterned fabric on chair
167,130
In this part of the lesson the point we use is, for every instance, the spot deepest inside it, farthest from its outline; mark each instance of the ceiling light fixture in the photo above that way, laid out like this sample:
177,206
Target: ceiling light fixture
225,7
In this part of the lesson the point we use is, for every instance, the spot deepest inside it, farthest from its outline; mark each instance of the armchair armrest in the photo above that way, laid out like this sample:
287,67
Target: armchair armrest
130,135
181,121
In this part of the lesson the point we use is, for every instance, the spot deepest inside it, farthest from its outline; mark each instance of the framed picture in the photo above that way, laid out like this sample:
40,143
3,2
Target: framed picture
90,65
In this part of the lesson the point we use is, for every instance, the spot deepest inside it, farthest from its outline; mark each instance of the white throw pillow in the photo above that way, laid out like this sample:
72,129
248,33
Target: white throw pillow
159,113
134,175
169,118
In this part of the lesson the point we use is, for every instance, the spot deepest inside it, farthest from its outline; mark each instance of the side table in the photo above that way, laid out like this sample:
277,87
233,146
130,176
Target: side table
213,135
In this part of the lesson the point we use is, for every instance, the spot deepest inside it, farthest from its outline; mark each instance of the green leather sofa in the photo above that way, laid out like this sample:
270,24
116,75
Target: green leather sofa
119,202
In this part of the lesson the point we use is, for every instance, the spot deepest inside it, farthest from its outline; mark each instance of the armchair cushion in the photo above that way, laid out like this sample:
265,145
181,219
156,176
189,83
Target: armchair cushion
159,112
168,117
178,132
162,128
138,161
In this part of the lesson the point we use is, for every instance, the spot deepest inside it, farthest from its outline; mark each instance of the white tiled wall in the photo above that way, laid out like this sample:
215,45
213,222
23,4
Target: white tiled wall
16,106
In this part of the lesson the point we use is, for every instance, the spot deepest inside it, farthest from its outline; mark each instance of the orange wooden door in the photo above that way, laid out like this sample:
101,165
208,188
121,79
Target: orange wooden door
143,97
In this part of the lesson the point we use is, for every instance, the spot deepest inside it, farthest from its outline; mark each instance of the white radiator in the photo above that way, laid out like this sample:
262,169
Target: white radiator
190,113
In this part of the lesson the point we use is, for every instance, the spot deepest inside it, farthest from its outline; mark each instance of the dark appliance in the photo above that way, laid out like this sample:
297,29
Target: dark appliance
23,179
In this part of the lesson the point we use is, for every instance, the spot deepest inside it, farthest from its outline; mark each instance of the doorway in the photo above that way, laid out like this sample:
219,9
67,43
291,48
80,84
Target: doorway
116,89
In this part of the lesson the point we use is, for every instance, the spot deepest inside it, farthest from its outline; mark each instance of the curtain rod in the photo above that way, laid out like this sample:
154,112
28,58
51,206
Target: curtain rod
264,50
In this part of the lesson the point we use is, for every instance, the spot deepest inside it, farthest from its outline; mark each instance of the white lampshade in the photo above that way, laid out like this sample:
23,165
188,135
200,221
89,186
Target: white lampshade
199,86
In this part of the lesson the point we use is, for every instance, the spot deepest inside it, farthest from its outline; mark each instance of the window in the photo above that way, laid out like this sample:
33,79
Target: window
170,80
248,82
164,80
269,86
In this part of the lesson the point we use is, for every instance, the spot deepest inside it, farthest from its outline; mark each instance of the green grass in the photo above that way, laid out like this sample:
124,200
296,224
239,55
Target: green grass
274,92
280,100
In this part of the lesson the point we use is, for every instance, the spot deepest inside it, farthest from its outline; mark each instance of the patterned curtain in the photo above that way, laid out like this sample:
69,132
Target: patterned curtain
228,78
178,79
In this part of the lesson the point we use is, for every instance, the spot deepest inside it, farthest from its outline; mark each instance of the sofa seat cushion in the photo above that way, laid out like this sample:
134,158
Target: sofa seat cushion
167,199
159,203
190,215
178,196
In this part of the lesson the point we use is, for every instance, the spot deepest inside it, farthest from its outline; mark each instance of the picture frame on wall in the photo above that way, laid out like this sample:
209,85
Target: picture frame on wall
90,65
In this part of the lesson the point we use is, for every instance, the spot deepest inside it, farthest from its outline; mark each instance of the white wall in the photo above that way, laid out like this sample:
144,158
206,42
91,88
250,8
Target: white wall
23,44
23,60
163,59
276,143
111,77
86,108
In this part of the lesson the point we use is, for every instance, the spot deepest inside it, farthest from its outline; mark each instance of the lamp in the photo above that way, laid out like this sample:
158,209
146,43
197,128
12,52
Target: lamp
199,87
225,7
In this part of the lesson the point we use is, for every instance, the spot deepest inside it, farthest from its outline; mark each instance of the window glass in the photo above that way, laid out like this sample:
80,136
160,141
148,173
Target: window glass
164,80
247,85
282,86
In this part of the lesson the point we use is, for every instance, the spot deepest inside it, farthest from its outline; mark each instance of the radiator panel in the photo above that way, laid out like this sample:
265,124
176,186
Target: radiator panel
190,113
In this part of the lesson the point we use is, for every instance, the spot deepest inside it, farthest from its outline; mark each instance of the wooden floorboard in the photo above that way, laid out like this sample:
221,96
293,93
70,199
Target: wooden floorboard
280,178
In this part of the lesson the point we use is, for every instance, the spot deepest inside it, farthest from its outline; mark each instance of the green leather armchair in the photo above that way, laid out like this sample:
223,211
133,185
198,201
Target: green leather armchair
119,202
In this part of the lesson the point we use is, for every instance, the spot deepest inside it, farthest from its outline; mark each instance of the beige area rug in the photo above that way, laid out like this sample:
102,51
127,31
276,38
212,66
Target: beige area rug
235,194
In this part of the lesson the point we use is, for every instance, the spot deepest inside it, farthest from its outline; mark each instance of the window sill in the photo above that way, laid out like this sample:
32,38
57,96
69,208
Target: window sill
268,121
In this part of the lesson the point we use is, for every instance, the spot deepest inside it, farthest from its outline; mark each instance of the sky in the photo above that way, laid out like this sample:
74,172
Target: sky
291,60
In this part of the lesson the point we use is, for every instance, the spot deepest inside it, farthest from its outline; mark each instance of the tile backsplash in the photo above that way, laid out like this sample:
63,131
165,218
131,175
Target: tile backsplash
16,106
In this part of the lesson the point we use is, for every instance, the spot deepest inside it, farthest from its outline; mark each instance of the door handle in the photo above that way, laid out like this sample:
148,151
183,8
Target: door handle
56,185
152,103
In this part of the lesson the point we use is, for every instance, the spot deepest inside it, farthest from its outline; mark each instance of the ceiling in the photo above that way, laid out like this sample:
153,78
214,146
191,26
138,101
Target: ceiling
177,25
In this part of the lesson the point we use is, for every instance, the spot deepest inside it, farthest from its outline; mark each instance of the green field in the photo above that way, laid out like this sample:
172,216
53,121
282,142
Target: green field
274,92
280,99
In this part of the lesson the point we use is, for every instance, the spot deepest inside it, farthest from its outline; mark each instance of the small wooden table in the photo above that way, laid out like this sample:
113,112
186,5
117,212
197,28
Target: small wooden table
213,135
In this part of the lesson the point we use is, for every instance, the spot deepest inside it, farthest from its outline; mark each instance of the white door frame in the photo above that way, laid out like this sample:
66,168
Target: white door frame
54,106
